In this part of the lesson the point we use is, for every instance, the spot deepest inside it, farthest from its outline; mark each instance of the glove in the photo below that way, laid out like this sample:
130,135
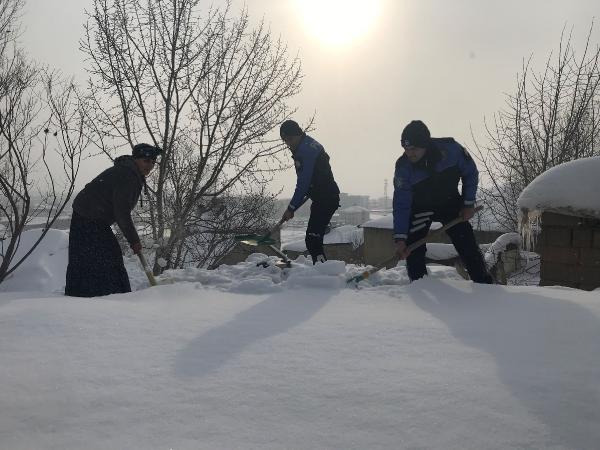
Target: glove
137,248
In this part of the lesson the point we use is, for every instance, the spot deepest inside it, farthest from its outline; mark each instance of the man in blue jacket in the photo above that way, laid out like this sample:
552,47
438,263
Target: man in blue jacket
315,181
426,190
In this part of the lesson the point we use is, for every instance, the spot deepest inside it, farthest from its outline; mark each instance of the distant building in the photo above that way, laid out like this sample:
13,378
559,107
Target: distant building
354,215
282,204
348,200
380,204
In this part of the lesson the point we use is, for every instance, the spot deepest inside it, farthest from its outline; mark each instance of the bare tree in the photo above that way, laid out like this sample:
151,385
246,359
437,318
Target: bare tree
42,135
553,117
206,88
209,238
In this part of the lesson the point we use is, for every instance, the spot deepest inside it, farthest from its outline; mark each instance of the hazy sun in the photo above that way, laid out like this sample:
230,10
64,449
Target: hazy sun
338,22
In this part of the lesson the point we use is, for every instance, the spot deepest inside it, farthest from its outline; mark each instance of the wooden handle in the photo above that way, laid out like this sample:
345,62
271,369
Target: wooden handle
411,247
147,270
439,231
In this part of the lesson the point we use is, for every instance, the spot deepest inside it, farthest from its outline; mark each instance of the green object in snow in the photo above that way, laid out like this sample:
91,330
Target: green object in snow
255,239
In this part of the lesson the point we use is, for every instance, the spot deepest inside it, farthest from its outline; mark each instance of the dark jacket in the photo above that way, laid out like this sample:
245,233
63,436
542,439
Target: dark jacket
315,178
112,195
432,183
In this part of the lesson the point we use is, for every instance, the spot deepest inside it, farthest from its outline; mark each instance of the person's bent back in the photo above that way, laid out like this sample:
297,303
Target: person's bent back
95,259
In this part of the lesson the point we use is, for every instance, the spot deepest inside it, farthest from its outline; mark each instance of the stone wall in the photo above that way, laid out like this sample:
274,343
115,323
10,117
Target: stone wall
379,243
570,251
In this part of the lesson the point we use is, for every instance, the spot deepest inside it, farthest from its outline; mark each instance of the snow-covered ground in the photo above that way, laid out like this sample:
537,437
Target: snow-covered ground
246,357
345,234
291,234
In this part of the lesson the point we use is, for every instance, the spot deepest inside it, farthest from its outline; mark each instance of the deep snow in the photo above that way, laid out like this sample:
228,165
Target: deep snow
246,357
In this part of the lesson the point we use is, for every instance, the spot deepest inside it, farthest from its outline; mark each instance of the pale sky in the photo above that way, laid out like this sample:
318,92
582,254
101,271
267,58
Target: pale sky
372,66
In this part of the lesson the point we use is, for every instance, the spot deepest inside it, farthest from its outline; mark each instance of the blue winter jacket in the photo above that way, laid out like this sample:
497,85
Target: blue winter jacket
431,185
315,178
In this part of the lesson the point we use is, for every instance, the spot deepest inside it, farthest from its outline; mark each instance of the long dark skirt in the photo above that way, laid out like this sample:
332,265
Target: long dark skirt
95,260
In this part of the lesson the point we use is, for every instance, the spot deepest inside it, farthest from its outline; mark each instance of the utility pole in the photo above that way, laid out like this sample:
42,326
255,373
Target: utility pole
385,194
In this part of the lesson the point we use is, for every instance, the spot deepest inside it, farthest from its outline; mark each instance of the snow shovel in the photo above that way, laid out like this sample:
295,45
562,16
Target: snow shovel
257,239
149,273
367,273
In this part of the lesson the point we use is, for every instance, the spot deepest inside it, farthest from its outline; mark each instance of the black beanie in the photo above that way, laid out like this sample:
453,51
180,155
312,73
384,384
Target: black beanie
290,128
416,134
145,151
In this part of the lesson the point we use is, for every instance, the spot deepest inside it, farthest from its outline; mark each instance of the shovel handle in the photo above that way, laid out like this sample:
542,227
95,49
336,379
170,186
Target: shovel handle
271,231
276,227
439,231
149,273
411,247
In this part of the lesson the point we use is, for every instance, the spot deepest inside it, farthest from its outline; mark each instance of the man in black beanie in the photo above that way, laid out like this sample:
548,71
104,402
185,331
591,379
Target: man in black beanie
315,181
426,190
95,260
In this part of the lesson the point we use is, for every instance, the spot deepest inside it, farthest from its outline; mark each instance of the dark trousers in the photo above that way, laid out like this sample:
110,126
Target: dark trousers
95,260
462,237
321,213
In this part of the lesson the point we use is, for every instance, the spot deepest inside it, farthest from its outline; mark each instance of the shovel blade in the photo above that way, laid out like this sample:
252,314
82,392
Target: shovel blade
254,239
254,242
246,237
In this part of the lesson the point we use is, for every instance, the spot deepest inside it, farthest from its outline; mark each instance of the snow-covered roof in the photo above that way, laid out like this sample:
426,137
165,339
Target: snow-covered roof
572,188
354,209
346,234
385,222
295,246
